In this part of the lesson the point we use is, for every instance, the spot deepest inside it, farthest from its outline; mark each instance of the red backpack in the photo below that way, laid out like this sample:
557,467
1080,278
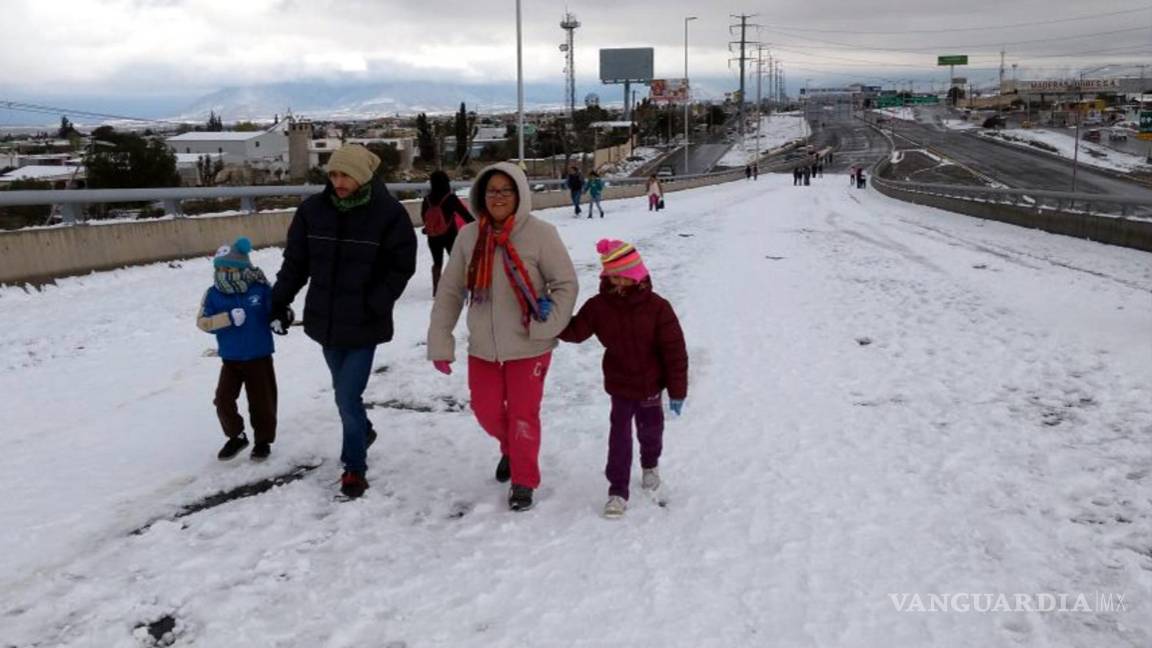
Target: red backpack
435,223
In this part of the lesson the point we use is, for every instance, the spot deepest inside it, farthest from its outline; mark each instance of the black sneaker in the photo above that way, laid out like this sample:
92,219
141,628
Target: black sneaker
232,447
519,498
503,469
370,439
353,484
260,451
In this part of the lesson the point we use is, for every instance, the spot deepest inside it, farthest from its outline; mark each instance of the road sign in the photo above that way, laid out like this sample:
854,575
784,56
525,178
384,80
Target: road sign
952,59
1146,121
959,81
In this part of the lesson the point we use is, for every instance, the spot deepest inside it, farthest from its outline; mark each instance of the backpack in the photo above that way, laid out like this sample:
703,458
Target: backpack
435,223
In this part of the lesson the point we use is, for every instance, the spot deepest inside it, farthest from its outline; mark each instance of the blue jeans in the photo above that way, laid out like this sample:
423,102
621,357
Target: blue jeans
576,193
350,370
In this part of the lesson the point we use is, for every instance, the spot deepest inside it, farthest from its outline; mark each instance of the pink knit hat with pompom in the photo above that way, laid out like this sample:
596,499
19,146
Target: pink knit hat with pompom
620,259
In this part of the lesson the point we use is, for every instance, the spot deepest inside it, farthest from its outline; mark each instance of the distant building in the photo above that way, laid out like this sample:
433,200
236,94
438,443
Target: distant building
320,150
59,176
257,148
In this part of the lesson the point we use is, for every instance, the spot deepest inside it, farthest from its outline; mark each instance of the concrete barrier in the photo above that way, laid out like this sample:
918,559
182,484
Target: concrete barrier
1112,230
41,255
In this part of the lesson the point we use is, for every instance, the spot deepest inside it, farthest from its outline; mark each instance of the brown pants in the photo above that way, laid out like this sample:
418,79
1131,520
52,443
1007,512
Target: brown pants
258,378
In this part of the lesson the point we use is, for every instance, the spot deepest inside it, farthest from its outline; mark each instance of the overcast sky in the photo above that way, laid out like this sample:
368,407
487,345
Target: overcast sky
194,46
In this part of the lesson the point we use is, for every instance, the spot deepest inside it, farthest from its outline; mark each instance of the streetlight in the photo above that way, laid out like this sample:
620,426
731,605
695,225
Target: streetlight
688,95
519,88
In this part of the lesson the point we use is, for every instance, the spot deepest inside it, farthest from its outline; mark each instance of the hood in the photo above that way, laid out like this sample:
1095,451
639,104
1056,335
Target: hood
523,208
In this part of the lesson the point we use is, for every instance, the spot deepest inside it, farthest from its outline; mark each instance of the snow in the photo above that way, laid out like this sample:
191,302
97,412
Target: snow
625,167
42,172
885,400
776,131
1091,154
904,112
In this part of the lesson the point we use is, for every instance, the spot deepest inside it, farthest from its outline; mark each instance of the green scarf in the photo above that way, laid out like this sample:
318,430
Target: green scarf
238,283
361,197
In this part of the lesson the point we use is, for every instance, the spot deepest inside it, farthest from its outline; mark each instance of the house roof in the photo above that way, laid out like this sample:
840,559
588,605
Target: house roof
225,136
40,172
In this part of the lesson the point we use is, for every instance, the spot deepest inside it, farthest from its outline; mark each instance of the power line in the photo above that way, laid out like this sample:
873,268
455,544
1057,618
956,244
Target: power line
966,29
953,47
56,110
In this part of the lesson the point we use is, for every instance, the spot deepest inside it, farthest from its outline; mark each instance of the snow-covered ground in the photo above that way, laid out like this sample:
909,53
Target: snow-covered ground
775,131
624,168
905,113
1091,154
887,402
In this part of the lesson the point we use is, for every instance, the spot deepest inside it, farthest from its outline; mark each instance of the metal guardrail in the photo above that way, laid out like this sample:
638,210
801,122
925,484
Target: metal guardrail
1036,199
73,201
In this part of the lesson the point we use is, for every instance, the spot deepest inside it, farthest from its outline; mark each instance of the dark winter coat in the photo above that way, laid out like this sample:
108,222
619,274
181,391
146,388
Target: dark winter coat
575,182
358,263
644,348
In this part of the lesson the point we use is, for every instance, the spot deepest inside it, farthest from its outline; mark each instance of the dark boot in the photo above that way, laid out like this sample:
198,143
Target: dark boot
260,451
232,447
435,278
353,484
519,498
503,469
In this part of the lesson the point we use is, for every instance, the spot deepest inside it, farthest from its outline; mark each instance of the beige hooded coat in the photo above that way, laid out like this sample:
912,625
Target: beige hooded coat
495,331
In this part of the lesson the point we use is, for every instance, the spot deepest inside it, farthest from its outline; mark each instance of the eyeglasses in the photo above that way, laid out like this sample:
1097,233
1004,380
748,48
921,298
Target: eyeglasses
500,193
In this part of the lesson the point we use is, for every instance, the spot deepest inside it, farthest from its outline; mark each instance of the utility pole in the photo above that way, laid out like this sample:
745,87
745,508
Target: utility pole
688,98
743,58
520,89
1001,90
759,78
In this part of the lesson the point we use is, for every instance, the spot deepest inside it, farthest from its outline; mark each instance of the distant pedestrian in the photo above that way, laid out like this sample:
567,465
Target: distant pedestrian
796,176
595,189
443,213
575,184
807,171
748,172
237,309
755,171
655,194
861,181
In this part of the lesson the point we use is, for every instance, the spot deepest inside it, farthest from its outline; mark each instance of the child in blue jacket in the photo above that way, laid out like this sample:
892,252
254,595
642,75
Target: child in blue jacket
236,309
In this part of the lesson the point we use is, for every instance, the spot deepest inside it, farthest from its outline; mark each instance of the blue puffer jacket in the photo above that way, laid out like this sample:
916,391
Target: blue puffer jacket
249,341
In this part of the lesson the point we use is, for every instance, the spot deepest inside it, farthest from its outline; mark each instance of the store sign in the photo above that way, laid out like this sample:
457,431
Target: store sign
669,90
1058,86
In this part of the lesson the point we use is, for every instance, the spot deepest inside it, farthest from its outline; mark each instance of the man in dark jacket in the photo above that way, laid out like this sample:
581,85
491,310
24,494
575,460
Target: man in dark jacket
356,246
575,183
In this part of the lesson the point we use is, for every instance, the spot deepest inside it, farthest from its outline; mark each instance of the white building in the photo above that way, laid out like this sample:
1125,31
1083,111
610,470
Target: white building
59,176
252,147
319,150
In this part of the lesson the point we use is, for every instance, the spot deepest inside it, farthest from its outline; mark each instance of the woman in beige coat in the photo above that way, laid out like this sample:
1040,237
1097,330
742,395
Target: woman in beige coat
515,275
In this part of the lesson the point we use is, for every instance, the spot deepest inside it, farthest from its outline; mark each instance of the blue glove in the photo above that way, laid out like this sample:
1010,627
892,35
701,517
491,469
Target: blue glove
676,404
545,306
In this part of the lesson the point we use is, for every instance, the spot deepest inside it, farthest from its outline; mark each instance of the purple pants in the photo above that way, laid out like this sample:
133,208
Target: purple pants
649,415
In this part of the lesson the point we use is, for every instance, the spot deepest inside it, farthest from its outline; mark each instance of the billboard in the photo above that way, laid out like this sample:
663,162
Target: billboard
952,59
1068,85
669,91
626,64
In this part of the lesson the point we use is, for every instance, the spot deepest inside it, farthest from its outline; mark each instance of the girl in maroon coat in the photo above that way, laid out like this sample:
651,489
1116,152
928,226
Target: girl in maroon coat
644,354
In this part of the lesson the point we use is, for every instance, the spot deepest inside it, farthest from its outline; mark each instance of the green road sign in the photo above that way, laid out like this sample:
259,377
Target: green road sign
889,102
952,59
1146,121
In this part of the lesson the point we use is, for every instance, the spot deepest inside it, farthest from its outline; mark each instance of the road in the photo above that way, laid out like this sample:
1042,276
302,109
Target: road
1012,166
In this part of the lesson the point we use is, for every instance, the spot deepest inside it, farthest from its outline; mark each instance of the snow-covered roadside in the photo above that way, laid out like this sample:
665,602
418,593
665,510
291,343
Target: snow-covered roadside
885,399
776,131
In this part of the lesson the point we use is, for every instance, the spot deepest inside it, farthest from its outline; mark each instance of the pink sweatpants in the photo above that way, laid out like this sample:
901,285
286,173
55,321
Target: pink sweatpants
506,401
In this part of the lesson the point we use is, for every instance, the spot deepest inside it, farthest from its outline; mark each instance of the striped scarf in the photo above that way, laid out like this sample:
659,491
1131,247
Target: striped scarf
237,283
483,259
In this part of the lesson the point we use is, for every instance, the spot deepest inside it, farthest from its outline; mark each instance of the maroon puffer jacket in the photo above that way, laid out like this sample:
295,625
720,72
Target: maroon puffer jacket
643,345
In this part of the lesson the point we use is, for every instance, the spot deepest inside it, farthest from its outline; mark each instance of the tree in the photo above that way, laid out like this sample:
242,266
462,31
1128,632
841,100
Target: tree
389,160
462,132
246,127
215,123
131,162
424,140
67,131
